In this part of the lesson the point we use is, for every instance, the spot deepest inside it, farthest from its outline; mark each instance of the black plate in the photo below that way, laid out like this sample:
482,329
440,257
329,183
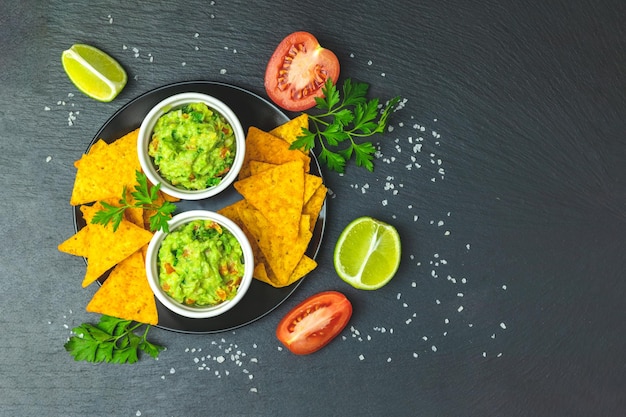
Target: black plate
252,111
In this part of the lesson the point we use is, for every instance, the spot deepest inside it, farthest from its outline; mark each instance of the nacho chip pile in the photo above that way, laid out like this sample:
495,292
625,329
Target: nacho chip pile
281,203
280,206
101,175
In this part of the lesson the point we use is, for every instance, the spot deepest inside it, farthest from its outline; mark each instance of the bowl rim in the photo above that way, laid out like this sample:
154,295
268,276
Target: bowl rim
170,103
151,264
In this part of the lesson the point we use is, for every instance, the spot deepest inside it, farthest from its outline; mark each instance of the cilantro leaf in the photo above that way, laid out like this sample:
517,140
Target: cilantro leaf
145,197
112,340
346,118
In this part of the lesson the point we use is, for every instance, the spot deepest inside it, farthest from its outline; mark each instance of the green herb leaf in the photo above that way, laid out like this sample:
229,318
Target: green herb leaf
112,340
145,197
346,119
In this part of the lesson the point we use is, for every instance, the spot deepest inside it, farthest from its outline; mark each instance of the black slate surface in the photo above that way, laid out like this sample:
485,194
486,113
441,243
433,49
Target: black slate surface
504,171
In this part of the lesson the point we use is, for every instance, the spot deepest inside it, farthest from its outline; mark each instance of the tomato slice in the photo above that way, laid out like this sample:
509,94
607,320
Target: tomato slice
313,323
297,71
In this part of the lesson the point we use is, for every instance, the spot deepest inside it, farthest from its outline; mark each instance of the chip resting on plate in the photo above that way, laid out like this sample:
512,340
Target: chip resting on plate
126,293
264,147
278,194
105,170
290,130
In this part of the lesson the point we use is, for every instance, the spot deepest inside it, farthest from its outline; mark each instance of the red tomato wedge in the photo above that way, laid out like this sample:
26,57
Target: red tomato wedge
297,71
313,323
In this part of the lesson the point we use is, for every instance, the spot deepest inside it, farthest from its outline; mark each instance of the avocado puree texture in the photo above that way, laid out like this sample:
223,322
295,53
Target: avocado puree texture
193,146
200,264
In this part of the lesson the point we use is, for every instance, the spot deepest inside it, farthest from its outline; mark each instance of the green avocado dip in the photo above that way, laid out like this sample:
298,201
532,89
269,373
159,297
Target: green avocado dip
200,264
193,146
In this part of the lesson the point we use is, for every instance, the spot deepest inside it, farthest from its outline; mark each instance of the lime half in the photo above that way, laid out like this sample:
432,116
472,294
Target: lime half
94,72
367,254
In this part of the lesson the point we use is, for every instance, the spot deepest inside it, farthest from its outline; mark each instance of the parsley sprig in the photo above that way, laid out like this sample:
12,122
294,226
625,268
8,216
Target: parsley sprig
111,340
145,197
345,121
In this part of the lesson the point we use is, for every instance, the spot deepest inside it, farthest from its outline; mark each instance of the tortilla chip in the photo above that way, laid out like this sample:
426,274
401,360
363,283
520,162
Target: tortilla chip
108,248
314,205
77,244
282,254
264,147
311,182
290,130
278,194
126,293
304,266
97,178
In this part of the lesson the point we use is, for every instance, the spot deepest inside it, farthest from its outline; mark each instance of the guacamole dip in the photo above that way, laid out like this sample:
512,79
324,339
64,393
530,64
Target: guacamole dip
193,146
200,264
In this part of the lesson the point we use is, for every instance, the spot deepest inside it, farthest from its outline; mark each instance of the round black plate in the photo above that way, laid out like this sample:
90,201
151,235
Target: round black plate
252,110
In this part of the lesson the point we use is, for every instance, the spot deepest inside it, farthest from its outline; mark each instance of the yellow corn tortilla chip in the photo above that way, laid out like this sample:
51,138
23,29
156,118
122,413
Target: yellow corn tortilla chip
311,182
304,266
282,254
108,248
278,195
126,294
290,130
104,173
314,205
77,244
264,147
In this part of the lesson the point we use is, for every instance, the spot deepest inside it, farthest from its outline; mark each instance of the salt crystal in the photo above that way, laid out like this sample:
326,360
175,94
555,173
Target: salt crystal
503,325
361,357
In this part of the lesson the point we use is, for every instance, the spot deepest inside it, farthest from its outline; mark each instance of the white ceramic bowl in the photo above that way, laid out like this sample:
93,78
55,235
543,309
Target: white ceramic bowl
145,135
152,269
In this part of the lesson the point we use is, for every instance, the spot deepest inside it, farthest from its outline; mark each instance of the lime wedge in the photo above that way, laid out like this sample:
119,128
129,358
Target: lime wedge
367,254
94,72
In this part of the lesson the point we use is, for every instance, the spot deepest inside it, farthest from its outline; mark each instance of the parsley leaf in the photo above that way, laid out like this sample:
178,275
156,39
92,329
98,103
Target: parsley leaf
344,121
112,340
143,196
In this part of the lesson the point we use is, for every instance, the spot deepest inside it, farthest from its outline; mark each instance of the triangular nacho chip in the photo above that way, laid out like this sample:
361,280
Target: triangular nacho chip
261,146
77,244
126,294
278,194
290,130
97,178
314,205
311,182
282,254
108,248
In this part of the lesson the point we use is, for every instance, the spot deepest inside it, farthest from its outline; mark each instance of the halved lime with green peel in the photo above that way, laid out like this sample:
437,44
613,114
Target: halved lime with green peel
367,254
94,72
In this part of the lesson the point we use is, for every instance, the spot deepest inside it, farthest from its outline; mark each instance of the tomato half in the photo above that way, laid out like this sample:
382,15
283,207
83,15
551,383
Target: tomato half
313,323
297,71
